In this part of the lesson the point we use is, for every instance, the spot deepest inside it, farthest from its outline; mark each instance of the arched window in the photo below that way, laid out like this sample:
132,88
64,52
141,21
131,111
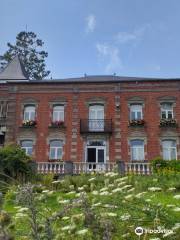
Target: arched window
136,112
29,112
27,146
56,150
137,149
58,113
169,149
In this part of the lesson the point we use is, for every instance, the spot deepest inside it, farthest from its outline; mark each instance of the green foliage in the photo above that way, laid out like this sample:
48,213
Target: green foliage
15,164
160,165
73,211
28,47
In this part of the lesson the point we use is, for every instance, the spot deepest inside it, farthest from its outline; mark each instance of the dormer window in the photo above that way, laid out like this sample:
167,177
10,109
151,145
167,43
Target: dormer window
167,111
29,113
136,112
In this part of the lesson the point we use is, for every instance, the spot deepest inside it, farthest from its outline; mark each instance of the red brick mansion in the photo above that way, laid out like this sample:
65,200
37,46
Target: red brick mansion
92,120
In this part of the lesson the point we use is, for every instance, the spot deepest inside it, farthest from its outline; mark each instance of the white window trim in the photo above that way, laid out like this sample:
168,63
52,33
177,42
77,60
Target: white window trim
167,110
59,112
29,113
136,149
169,150
136,111
56,151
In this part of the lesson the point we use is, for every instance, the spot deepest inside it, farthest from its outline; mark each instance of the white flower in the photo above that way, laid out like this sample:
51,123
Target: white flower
104,193
91,179
169,233
64,201
80,188
170,205
103,189
128,196
50,193
110,206
176,226
95,192
70,193
139,195
20,215
131,190
109,214
96,204
121,184
82,232
65,218
23,209
155,189
154,239
69,227
177,196
45,191
177,209
125,217
172,189
126,186
117,190
57,181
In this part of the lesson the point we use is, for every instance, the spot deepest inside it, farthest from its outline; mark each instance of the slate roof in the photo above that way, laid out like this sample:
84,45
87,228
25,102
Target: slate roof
14,70
102,79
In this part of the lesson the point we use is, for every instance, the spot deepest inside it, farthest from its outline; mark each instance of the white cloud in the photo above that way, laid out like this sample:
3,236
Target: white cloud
137,34
110,55
91,23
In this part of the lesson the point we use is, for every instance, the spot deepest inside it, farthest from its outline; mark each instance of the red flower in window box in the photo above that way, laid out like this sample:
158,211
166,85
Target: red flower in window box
57,124
168,123
136,122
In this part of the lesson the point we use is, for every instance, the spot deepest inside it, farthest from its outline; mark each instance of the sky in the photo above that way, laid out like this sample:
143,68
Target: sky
139,38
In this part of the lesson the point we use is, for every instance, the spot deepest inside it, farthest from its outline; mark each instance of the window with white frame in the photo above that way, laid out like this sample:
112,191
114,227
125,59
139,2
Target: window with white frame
56,150
29,112
169,149
27,146
58,113
167,111
136,112
137,150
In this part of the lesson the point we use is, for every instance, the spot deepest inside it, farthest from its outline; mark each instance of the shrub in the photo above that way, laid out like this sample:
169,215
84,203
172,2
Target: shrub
15,164
168,166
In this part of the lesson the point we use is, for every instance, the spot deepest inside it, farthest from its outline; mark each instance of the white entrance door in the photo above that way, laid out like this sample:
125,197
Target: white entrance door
96,118
96,158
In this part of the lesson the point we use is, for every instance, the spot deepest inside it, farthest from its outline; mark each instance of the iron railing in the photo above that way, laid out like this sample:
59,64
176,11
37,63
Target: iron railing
96,125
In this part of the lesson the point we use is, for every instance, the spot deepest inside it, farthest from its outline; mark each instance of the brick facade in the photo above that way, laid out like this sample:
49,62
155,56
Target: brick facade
115,95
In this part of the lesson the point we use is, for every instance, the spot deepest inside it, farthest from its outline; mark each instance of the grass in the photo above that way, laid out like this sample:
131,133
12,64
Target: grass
116,206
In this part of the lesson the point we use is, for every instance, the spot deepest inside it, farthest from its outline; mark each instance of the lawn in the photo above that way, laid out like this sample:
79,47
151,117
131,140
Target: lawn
97,206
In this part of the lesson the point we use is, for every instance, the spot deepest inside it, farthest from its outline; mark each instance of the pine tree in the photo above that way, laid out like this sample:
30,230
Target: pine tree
28,47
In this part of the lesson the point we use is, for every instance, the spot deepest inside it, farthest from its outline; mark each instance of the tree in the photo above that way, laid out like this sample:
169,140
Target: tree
28,47
14,162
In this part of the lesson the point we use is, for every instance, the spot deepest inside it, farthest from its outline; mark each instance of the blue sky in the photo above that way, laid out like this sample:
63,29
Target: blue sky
97,37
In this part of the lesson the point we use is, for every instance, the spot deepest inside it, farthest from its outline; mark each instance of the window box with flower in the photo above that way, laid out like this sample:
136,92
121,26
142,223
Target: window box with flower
29,123
168,122
136,123
57,124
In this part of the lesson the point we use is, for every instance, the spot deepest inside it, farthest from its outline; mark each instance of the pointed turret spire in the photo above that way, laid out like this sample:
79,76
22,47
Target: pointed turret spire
14,70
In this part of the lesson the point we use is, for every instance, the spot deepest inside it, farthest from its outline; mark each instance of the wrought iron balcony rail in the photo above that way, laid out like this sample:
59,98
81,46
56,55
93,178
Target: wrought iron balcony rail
96,126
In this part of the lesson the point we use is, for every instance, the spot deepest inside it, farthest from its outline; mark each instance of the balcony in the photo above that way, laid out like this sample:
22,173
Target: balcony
96,126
